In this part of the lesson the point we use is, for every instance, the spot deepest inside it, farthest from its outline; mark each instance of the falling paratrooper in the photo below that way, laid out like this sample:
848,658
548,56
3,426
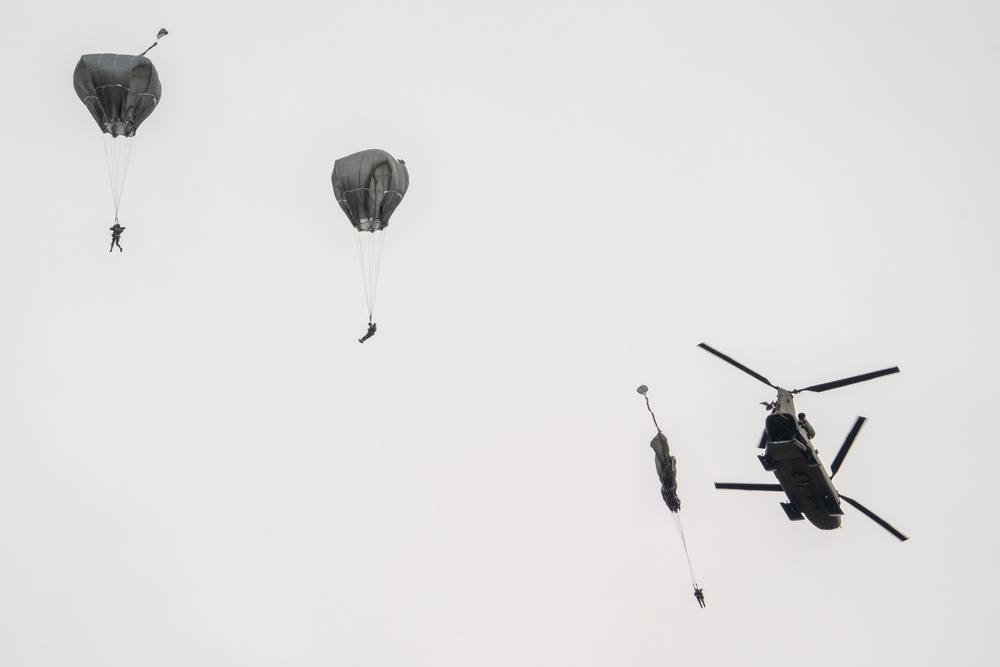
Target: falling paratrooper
666,470
120,92
368,186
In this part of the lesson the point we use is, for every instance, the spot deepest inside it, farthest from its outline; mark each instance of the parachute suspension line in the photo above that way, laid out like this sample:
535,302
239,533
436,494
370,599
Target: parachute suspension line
680,531
370,246
109,158
128,160
364,274
370,271
376,265
118,153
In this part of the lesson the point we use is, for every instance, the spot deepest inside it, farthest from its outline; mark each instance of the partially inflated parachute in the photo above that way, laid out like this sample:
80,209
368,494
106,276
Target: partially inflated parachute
369,186
120,91
666,470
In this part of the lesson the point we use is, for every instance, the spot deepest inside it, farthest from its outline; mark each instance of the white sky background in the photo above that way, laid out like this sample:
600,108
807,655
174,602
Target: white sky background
199,465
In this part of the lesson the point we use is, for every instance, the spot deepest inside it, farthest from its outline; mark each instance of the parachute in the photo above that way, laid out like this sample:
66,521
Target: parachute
120,92
666,470
369,186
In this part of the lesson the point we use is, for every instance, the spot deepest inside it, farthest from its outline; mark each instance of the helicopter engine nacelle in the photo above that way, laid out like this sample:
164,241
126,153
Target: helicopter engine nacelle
780,426
806,426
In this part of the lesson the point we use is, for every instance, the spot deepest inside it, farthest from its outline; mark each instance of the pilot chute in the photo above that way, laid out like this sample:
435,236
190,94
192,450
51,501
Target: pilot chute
120,92
666,470
369,186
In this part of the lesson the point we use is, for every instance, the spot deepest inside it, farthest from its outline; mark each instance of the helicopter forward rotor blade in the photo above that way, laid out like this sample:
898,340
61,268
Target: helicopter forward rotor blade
874,517
826,386
748,487
737,364
844,448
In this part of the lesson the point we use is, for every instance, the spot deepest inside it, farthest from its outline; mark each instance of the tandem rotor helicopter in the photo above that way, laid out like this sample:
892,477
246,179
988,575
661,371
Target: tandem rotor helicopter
791,456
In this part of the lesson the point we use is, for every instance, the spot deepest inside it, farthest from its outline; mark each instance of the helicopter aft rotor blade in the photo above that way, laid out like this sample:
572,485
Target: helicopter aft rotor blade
826,386
737,486
844,448
874,517
738,365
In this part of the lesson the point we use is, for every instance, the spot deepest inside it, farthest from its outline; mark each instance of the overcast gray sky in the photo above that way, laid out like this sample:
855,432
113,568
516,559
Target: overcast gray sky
199,465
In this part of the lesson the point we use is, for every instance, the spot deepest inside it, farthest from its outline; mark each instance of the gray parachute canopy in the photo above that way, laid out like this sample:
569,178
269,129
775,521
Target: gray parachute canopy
369,186
120,91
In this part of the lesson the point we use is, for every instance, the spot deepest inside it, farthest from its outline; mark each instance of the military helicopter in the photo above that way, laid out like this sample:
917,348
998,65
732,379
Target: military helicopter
790,455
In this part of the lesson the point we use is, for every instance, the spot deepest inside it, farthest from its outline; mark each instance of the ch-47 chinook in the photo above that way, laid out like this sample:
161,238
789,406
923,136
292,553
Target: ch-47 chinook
790,455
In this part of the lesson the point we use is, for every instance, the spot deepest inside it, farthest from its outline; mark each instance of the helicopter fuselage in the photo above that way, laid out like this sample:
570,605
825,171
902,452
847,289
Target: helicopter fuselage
791,456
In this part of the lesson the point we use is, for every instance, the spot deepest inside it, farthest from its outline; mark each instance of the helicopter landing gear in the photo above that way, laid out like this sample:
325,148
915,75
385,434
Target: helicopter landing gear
793,512
767,462
831,506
